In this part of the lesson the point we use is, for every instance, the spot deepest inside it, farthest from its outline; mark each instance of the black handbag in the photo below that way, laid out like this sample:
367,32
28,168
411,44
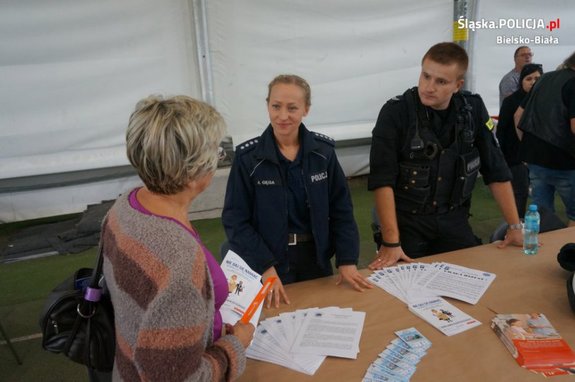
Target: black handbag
78,320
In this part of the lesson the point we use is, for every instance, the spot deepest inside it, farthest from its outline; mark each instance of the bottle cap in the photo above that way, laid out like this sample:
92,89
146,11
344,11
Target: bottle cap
533,207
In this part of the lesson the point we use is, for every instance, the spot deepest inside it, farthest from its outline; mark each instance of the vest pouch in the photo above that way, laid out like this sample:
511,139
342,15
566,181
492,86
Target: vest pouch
467,168
412,190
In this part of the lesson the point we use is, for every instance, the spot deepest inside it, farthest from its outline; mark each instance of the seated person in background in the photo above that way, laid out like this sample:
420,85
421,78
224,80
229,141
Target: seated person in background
427,148
507,136
165,285
288,208
510,82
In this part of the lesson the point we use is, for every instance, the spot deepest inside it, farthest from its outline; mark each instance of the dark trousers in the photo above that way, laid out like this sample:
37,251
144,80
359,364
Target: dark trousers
520,184
424,235
303,264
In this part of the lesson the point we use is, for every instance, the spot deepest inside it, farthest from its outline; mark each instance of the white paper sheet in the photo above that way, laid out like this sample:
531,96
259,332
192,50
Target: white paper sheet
330,333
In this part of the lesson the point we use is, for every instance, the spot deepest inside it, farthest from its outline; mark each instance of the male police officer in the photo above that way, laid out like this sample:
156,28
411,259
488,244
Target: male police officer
427,148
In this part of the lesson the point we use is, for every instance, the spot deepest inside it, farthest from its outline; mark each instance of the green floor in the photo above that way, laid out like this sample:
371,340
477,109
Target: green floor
24,285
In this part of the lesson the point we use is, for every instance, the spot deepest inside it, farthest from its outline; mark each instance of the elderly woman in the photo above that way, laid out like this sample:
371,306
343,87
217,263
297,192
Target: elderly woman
165,285
288,209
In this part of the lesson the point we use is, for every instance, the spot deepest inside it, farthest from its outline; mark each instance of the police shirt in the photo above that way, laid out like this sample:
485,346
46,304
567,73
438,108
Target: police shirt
297,203
389,137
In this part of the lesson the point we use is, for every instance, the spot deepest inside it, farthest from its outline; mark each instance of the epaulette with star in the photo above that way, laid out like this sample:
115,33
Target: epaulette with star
324,138
247,145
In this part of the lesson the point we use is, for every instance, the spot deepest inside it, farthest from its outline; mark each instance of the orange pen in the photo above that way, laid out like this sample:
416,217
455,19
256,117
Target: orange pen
257,300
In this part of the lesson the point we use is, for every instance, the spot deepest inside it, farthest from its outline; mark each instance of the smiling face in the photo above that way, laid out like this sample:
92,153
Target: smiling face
438,83
286,109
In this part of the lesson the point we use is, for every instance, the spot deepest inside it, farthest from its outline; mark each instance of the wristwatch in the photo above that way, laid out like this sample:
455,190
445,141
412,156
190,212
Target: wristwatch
516,227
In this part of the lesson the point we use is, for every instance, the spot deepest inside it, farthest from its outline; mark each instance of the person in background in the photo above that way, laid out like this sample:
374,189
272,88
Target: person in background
288,209
508,139
428,146
546,127
166,287
510,82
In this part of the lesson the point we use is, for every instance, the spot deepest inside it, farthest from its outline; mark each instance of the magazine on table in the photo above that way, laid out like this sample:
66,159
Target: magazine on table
534,343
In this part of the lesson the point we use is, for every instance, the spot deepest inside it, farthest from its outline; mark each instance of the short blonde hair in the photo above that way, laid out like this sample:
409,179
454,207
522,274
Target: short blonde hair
171,141
291,79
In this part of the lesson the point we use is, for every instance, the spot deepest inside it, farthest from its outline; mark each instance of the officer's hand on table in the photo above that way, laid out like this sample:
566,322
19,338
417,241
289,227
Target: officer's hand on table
277,291
350,275
514,237
386,257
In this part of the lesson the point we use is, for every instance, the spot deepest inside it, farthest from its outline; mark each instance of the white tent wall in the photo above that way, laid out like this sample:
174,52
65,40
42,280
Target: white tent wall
491,61
70,73
354,54
72,70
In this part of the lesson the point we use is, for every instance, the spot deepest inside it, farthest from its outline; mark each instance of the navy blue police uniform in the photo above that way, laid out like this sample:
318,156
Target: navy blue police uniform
431,159
263,216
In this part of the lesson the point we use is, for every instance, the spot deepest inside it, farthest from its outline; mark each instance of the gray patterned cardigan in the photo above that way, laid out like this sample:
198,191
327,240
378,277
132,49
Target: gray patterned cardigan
163,300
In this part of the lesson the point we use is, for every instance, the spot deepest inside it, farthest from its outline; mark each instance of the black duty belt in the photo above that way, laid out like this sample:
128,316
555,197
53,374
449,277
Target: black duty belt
294,238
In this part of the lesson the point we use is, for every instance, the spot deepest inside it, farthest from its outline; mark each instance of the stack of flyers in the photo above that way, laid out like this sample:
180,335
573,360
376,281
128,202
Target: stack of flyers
302,339
398,361
419,285
419,280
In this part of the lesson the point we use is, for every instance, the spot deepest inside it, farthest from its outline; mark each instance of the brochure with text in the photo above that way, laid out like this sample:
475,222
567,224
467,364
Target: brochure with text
534,343
243,287
443,316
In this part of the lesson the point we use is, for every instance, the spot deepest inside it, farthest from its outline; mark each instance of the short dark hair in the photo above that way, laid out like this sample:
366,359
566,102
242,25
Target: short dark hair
518,49
570,61
447,53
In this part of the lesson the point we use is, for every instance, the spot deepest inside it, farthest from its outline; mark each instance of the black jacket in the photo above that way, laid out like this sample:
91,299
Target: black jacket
506,133
255,215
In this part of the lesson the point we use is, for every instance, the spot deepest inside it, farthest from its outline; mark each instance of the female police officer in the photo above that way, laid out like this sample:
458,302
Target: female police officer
288,209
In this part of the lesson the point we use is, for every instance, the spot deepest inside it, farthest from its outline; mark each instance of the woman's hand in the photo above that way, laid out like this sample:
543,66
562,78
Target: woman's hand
244,332
386,257
350,275
277,291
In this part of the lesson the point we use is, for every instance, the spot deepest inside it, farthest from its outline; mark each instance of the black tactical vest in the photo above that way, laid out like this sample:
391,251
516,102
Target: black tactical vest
434,179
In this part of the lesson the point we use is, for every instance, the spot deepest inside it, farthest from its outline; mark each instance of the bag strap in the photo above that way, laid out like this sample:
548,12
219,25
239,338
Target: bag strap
93,291
86,308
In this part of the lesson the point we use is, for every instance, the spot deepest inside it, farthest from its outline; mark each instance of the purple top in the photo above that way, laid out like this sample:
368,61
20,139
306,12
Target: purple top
218,277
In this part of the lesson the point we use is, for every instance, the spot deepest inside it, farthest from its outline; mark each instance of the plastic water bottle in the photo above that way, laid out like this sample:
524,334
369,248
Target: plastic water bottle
531,231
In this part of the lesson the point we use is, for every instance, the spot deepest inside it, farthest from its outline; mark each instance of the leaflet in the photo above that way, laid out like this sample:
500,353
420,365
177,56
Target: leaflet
302,339
330,333
243,286
415,281
459,282
398,362
443,316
